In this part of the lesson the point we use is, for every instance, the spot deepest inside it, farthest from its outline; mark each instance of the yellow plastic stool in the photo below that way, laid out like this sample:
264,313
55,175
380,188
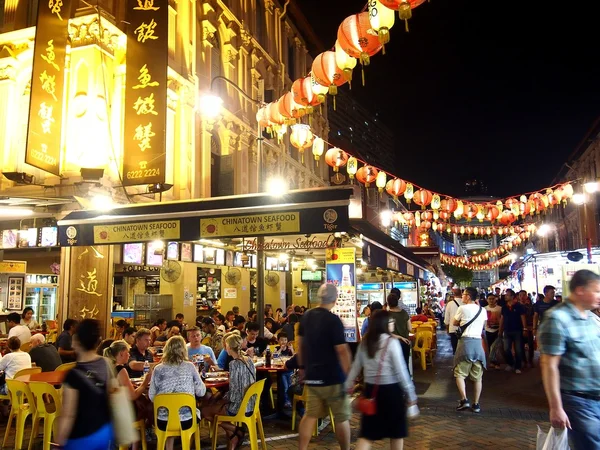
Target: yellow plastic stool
253,422
48,406
173,402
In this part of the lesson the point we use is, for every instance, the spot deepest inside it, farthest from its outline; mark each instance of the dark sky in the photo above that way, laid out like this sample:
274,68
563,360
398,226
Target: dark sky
501,90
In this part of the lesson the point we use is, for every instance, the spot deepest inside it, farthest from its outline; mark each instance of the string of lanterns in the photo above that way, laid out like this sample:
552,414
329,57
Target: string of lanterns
463,262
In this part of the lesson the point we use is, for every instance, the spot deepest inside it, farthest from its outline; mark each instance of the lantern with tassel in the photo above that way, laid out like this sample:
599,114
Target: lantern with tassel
395,188
301,138
423,198
318,89
318,148
289,108
404,8
303,94
367,175
382,20
492,213
336,158
345,62
261,118
327,73
480,214
436,202
358,40
409,192
352,167
449,205
381,181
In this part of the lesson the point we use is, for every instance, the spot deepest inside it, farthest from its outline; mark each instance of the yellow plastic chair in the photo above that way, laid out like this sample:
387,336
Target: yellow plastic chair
302,398
139,425
26,347
173,402
19,373
253,422
422,347
48,406
22,406
65,367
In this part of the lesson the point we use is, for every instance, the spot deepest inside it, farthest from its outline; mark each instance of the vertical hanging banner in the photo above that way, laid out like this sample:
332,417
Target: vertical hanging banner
47,86
340,268
144,153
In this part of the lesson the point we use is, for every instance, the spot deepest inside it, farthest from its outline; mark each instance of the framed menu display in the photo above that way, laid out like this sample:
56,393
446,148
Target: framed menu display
154,255
186,251
49,237
10,238
198,253
15,293
133,253
173,251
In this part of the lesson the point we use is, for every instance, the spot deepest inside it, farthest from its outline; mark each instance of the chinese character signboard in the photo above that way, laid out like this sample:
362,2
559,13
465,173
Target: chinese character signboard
340,268
135,232
258,224
144,154
47,86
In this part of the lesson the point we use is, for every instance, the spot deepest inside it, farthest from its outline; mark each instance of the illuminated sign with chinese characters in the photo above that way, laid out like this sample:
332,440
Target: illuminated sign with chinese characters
47,86
146,92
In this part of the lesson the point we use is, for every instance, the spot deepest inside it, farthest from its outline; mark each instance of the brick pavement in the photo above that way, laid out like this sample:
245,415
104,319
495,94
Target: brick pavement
512,406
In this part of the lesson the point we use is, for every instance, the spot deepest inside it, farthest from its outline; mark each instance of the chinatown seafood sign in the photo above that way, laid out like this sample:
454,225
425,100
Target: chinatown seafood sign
302,243
144,158
47,86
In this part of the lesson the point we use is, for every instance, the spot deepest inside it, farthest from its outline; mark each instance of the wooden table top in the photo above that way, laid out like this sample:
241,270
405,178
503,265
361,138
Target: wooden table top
53,378
273,368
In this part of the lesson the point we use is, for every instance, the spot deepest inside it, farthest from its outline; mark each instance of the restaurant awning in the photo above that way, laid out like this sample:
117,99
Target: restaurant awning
322,210
383,251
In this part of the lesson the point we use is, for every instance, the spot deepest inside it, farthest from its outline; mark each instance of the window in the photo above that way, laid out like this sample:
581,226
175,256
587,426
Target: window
291,64
261,24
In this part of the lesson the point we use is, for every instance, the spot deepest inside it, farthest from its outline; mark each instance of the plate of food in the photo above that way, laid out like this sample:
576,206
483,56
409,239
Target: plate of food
217,375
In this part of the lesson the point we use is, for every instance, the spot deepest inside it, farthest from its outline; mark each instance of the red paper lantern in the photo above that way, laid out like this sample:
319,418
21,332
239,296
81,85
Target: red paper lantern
327,73
492,213
303,95
404,8
470,211
336,158
423,197
445,215
261,117
273,114
426,225
395,188
288,107
367,175
357,39
427,215
449,205
507,218
524,208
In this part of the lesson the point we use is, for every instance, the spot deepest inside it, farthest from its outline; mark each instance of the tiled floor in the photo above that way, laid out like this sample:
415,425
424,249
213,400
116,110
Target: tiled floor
512,406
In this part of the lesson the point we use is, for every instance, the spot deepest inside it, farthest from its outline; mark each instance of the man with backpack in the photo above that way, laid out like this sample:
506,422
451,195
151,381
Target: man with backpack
451,308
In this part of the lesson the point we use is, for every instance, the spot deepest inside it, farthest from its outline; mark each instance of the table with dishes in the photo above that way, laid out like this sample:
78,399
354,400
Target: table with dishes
277,366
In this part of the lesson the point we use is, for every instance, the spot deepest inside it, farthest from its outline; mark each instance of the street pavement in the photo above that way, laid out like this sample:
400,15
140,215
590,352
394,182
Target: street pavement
512,407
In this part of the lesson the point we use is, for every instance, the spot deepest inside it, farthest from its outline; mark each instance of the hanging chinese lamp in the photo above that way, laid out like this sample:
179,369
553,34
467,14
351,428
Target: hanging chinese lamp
327,73
460,208
303,94
288,108
404,8
395,188
336,158
382,20
367,175
492,213
301,138
358,40
345,62
381,181
318,148
261,119
552,201
470,211
352,167
409,192
318,89
513,205
500,206
480,214
507,218
423,198
567,190
436,202
524,208
449,205
445,215
276,119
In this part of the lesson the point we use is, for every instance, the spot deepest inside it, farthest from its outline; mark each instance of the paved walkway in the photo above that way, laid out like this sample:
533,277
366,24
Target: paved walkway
512,405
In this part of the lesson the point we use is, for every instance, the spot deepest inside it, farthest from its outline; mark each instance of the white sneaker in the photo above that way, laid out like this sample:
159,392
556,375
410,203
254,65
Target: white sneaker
517,371
508,369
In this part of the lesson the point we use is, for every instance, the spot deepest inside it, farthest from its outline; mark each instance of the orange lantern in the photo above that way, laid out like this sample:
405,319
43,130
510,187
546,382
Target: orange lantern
367,175
273,114
427,215
408,217
426,225
436,202
301,138
445,215
404,8
449,205
327,73
336,158
492,213
303,94
507,218
395,188
288,107
261,118
357,39
423,197
470,211
524,208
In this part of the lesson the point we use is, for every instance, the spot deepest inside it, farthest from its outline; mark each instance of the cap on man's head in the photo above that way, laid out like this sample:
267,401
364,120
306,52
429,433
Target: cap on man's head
327,294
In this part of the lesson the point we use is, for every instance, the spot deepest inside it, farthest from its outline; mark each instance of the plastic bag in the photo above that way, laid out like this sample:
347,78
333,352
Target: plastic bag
554,440
497,352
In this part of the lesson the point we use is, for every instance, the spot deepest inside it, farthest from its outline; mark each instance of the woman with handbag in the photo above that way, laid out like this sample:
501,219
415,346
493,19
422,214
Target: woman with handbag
85,421
118,354
389,391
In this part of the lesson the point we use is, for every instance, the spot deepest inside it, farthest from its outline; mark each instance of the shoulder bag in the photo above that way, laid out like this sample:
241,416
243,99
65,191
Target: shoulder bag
368,405
121,410
461,329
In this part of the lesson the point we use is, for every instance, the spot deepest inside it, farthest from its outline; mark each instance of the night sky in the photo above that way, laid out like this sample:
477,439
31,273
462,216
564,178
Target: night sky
499,90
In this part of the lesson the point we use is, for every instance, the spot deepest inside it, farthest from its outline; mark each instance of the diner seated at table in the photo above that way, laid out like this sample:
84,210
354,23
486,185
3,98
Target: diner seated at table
242,374
44,355
129,335
158,329
14,361
15,329
139,354
175,374
172,330
28,320
64,343
103,346
285,350
209,326
288,328
224,358
255,345
239,323
118,354
120,328
196,348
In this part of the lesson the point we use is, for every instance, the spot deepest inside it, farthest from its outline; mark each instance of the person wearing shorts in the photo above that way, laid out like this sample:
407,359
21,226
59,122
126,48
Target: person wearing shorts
469,359
325,358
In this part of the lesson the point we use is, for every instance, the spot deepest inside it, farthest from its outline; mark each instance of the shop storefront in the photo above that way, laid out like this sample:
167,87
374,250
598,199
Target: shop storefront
208,253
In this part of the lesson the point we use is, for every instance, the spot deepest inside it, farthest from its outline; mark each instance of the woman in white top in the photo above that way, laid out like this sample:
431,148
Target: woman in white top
14,361
28,320
390,374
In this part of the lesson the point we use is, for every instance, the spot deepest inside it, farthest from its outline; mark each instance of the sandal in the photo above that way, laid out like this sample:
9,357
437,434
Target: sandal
238,433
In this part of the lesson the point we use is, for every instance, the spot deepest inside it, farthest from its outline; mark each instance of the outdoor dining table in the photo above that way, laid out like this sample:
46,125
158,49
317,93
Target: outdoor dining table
54,378
278,368
217,382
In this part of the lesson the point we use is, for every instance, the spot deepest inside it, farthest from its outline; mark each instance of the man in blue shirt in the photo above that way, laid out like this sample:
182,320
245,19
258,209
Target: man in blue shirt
374,307
513,326
569,342
195,347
